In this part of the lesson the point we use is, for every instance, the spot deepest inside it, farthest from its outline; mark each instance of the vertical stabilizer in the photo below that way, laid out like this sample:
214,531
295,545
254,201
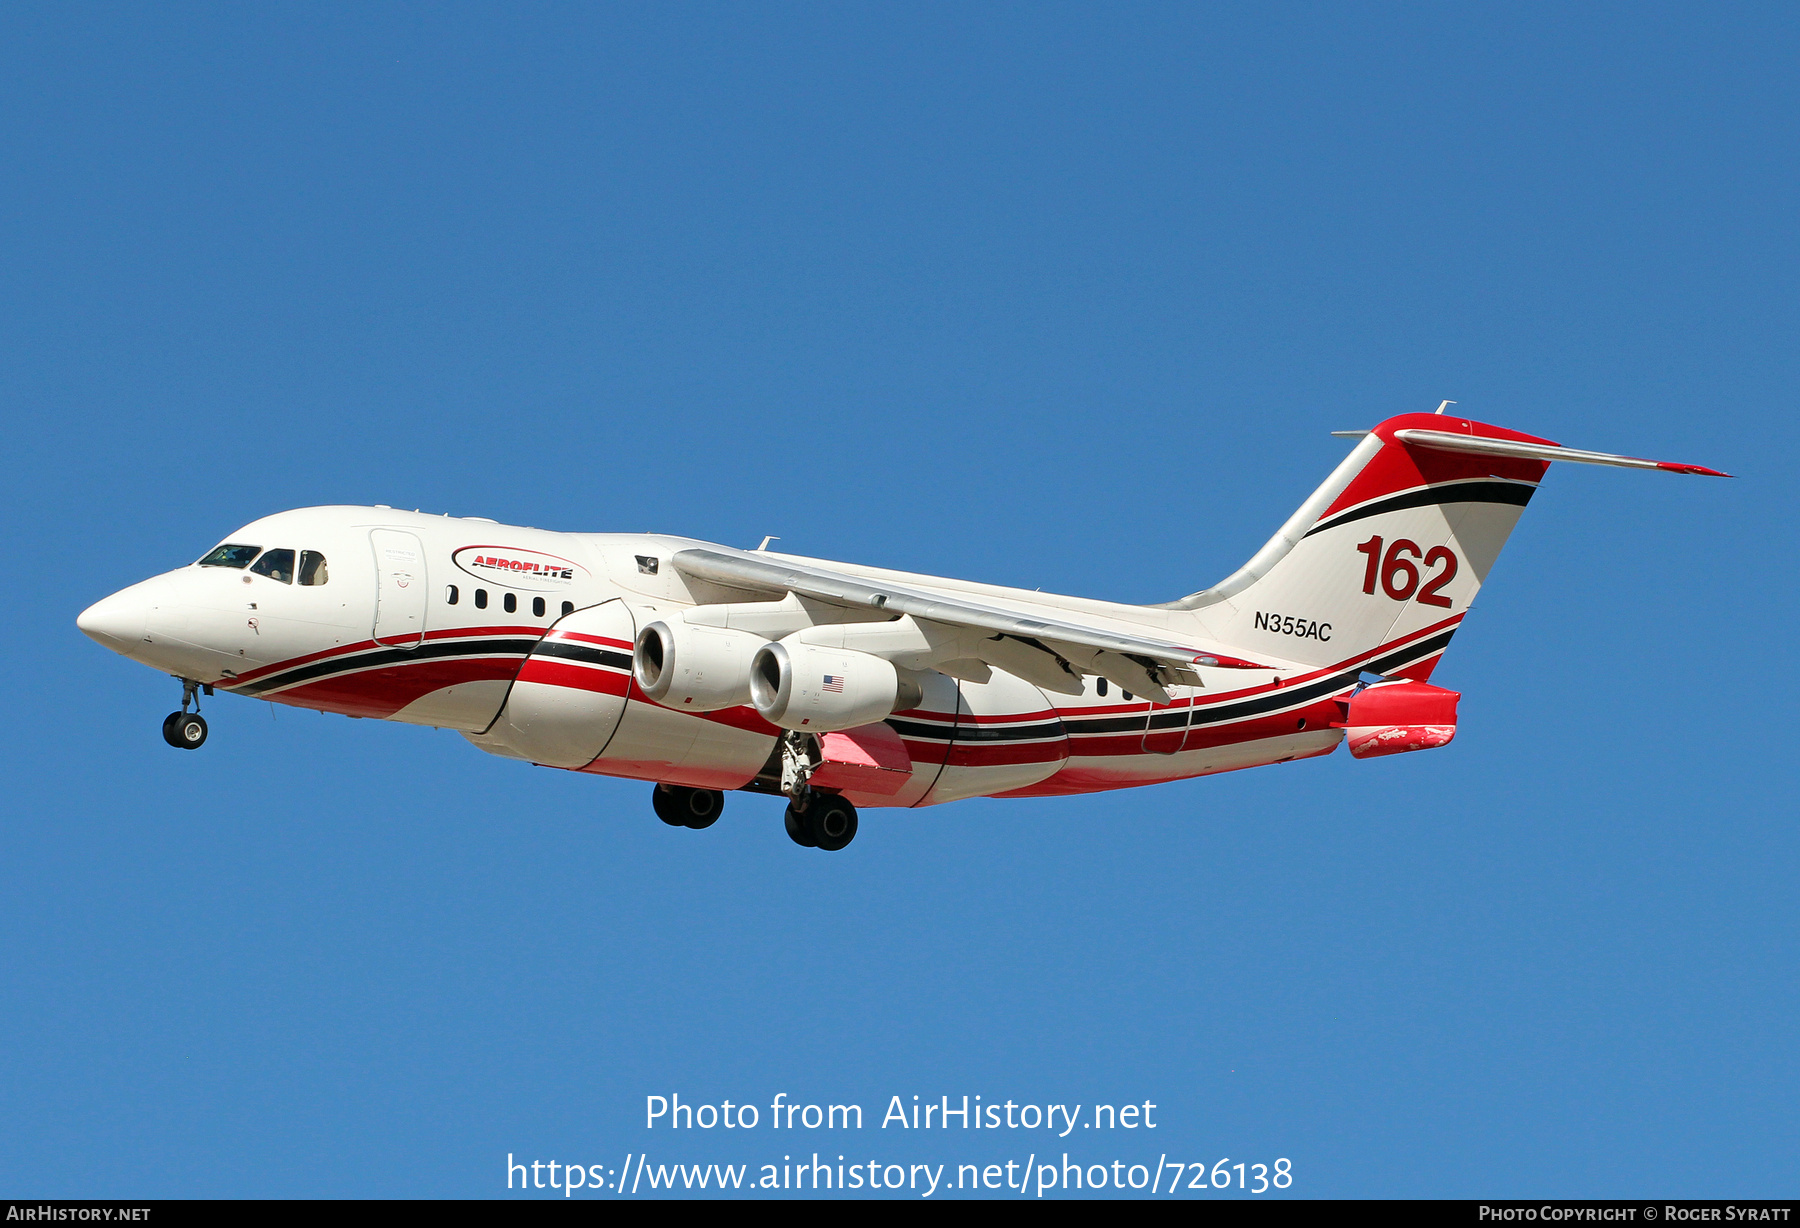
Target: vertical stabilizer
1381,563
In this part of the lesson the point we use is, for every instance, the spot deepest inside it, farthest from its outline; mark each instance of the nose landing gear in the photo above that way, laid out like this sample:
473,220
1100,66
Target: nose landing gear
186,730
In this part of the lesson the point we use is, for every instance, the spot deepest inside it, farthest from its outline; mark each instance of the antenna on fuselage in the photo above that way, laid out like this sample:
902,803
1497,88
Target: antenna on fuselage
765,543
1444,406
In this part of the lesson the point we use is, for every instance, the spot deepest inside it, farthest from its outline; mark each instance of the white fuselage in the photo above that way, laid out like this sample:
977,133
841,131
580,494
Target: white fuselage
705,668
521,639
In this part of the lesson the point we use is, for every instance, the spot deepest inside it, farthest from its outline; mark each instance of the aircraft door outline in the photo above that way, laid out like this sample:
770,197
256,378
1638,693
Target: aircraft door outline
402,588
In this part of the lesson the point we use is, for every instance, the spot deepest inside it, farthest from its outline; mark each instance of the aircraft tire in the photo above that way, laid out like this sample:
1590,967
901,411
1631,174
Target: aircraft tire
831,822
663,800
797,830
680,806
184,730
704,806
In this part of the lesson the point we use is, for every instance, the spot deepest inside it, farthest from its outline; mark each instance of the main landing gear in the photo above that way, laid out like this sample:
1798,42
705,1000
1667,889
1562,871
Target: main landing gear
680,806
814,820
821,821
186,730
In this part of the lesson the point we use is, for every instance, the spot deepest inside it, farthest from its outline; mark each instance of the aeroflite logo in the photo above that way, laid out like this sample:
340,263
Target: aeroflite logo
526,569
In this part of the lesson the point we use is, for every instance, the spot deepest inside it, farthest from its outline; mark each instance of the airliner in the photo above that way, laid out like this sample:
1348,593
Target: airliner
703,668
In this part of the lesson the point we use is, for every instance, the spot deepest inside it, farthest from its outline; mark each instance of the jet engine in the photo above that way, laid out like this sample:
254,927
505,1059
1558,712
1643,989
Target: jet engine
803,686
695,669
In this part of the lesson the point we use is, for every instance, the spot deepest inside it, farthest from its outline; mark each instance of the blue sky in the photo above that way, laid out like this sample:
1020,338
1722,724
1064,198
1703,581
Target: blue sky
1045,295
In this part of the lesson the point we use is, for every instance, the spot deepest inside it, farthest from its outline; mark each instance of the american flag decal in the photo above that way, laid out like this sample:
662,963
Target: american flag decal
834,682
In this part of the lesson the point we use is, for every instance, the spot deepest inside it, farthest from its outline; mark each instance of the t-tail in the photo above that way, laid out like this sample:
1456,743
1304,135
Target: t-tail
1378,567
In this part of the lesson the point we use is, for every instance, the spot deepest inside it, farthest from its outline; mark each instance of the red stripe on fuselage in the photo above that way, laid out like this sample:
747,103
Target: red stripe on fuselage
1318,714
997,754
384,691
344,650
550,671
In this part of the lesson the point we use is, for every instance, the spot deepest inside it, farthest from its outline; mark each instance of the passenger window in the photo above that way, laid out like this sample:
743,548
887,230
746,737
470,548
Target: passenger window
537,607
450,595
511,603
312,568
277,565
481,599
568,608
230,556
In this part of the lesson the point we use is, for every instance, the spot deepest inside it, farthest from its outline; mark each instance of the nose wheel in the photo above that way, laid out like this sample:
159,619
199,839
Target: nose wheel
186,730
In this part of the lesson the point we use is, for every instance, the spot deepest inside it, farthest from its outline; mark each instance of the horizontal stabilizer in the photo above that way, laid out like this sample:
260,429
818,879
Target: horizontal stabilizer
1446,441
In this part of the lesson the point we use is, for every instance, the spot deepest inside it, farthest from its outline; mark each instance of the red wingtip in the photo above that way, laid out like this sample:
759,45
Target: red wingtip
1697,470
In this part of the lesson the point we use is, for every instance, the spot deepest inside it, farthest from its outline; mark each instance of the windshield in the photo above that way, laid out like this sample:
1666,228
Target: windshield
230,556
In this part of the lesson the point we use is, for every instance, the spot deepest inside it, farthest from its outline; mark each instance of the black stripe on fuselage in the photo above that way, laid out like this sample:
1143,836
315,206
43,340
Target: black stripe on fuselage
375,659
946,732
1261,705
1516,493
568,650
1170,718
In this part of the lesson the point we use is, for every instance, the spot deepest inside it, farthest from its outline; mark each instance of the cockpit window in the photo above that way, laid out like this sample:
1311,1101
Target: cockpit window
312,567
230,556
277,565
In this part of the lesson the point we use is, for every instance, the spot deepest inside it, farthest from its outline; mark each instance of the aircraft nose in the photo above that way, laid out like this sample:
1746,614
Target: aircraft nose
119,621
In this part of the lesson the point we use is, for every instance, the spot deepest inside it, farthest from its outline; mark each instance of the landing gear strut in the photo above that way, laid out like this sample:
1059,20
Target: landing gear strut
680,806
822,821
186,730
815,820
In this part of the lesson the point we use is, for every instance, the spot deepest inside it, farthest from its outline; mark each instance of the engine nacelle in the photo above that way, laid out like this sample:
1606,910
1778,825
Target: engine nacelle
695,669
1392,717
803,686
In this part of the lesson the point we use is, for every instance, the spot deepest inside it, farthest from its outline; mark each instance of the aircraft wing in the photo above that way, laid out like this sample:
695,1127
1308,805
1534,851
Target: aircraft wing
1045,651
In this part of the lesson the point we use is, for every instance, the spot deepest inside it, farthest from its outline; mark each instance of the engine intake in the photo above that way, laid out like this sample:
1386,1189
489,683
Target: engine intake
696,669
803,686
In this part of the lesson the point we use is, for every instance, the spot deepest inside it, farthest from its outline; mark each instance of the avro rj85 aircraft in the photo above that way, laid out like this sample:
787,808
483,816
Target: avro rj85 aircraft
704,668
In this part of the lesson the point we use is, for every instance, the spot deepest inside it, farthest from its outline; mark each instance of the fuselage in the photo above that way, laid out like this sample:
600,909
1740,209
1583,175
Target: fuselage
521,639
705,668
